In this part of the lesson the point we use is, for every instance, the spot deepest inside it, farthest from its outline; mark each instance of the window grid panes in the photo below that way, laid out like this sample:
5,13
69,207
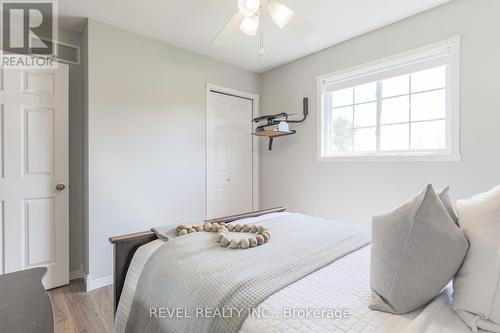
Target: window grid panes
406,113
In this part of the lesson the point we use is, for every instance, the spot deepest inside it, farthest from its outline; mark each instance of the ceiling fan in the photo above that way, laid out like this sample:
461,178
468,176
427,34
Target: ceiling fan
249,19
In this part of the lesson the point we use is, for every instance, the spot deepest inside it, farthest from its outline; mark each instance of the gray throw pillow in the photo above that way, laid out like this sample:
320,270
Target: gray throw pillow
416,250
166,232
444,195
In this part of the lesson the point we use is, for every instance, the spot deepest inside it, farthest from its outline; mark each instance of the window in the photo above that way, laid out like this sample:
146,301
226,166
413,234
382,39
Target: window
403,107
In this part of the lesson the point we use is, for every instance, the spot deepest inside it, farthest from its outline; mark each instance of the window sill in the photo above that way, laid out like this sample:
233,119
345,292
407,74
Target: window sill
391,158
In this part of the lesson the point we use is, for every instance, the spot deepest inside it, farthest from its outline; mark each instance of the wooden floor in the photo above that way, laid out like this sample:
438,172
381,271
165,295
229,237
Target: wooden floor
78,311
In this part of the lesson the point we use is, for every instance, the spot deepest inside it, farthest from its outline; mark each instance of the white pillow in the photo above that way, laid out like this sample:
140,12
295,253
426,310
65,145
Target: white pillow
476,296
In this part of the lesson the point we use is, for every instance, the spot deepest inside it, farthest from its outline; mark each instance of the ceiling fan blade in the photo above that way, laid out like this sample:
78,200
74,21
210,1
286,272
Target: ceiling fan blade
229,28
303,30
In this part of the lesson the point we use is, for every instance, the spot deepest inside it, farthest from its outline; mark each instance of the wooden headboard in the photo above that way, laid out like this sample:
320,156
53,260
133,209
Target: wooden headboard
125,246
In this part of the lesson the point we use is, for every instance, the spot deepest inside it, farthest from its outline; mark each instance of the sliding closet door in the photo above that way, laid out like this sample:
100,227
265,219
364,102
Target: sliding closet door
34,172
229,155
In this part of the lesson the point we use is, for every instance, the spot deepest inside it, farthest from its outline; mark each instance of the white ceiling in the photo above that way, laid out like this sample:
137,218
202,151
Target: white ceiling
192,24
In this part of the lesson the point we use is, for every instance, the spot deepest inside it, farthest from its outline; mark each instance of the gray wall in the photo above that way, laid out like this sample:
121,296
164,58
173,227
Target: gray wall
85,180
76,164
354,191
146,134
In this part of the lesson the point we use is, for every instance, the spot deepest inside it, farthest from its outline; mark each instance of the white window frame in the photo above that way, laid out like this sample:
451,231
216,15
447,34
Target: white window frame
443,52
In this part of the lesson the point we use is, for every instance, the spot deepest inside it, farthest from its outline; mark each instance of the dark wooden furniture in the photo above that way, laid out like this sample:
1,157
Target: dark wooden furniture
24,303
125,246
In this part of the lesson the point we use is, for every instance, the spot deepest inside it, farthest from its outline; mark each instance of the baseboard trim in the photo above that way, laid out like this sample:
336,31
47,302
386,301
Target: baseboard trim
76,274
92,284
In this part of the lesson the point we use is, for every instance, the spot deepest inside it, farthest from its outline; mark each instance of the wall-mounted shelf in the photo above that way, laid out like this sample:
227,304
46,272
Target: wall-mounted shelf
274,120
273,134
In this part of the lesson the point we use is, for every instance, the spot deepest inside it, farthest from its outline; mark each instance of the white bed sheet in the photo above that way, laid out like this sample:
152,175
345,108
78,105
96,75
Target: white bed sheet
343,285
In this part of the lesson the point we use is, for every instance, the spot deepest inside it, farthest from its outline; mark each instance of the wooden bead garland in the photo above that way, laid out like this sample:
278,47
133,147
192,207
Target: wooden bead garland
222,230
234,244
252,241
224,242
244,243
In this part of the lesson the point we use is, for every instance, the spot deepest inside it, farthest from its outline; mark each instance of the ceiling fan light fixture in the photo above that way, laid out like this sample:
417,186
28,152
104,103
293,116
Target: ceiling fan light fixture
248,7
280,13
250,25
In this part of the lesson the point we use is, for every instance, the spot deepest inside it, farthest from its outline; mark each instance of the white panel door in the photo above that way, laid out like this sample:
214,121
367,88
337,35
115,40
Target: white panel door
229,155
33,162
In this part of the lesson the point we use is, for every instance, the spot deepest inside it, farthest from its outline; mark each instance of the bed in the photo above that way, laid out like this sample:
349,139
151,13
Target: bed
332,298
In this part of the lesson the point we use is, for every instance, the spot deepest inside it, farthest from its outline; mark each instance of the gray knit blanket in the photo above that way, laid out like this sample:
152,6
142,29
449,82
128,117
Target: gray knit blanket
191,284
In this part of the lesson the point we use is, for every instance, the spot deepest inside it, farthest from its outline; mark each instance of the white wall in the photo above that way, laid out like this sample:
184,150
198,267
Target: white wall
146,134
354,191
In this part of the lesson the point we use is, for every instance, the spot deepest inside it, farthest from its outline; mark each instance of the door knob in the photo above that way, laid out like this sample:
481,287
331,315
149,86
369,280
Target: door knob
60,186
